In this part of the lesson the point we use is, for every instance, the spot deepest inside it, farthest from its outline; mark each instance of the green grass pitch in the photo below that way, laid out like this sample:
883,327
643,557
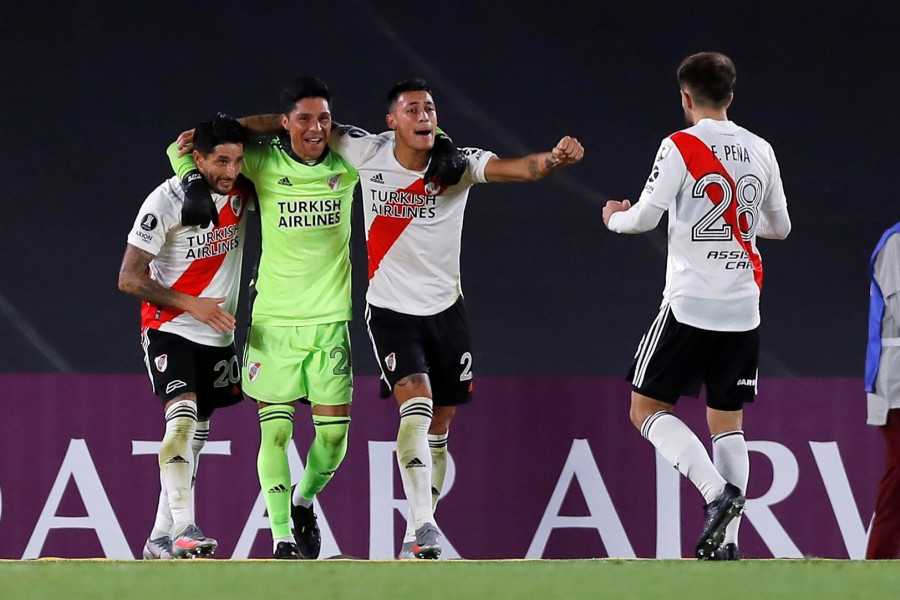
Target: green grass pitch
449,580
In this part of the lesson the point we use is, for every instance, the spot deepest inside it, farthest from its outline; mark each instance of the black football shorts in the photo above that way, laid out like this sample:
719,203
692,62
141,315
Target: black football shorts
177,365
674,359
438,345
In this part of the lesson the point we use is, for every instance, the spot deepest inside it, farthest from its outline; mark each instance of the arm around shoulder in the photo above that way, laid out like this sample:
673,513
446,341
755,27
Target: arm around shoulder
181,165
262,124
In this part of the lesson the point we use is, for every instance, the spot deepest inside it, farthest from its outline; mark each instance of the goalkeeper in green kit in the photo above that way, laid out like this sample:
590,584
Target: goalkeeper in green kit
298,341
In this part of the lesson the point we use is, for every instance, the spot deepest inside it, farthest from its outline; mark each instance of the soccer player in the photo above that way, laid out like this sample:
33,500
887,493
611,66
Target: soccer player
298,346
188,279
722,188
298,343
415,310
883,389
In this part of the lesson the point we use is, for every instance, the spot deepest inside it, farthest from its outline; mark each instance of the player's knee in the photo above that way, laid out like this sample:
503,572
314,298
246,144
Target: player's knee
276,423
181,421
637,416
279,434
332,438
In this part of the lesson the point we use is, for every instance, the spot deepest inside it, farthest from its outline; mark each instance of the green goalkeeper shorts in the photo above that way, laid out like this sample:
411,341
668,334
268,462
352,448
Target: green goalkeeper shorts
309,363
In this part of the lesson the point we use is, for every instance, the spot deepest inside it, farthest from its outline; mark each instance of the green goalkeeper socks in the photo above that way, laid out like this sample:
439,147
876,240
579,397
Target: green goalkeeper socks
277,427
325,453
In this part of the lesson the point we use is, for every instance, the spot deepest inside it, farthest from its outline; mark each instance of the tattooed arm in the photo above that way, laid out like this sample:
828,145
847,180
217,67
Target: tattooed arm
134,279
535,166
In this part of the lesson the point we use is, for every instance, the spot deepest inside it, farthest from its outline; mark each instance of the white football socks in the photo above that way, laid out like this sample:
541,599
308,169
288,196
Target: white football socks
201,434
414,458
438,446
683,449
176,461
733,462
162,525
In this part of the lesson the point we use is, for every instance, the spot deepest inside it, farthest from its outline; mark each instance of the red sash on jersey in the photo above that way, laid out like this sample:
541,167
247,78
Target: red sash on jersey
701,161
385,231
200,273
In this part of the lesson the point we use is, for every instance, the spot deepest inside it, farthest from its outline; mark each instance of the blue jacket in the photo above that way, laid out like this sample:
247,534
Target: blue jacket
876,314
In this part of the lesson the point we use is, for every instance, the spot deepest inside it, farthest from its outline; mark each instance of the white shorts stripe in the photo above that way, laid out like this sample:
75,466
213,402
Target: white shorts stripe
368,316
145,344
648,344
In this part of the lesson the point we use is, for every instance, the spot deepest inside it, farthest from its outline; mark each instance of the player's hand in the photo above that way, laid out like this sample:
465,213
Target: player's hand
207,310
447,164
567,151
614,206
198,209
185,142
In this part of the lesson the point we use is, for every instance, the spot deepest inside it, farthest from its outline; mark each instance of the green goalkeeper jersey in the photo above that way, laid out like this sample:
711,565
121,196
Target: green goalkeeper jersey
304,269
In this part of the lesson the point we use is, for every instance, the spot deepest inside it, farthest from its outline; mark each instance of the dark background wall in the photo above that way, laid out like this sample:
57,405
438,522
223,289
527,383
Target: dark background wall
94,91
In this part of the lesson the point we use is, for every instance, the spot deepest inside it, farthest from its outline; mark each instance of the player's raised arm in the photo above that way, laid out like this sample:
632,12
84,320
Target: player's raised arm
567,151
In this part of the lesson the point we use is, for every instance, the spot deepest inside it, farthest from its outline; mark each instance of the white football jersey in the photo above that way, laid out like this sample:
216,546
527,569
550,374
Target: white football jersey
413,234
200,262
714,179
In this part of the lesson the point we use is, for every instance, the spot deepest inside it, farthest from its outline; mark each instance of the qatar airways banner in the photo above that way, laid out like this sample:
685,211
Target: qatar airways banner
541,468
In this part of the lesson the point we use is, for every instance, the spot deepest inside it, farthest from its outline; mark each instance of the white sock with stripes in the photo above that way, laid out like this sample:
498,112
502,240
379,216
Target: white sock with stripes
733,462
438,445
414,458
176,461
683,450
201,434
163,524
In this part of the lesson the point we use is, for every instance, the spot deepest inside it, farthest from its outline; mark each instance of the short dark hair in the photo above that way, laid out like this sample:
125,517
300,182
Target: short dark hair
220,129
709,76
300,88
415,84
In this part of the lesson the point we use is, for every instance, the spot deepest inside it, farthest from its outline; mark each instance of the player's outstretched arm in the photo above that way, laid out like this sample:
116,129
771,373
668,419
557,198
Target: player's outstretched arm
567,151
134,280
